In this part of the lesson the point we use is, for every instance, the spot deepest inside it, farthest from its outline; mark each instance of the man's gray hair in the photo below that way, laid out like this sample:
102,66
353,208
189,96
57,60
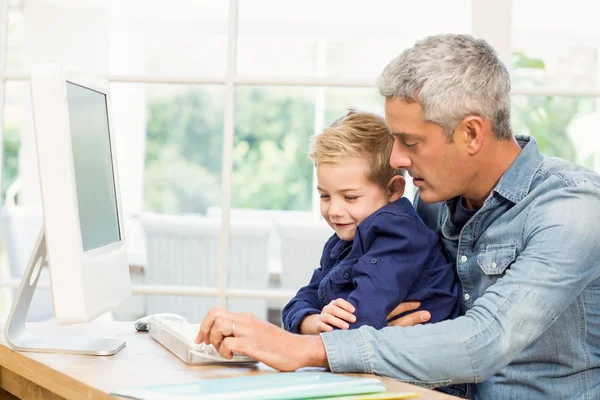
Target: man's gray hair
452,77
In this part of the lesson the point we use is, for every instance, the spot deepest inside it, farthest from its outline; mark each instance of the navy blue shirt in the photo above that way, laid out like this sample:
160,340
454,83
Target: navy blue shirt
394,257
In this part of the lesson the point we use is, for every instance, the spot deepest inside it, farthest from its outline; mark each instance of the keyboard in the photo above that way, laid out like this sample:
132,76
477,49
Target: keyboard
178,337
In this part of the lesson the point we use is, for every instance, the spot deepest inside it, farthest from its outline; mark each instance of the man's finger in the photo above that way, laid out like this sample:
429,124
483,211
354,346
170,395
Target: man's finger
218,332
227,347
404,307
205,328
209,320
412,319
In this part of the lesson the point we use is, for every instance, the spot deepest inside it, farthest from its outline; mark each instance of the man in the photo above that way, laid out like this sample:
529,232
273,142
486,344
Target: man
523,230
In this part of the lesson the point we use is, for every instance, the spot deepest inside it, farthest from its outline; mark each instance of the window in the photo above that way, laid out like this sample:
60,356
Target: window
561,49
555,70
337,39
184,144
187,126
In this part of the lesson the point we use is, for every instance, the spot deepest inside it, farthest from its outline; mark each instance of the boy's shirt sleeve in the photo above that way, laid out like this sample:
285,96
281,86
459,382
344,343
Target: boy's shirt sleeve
306,302
386,272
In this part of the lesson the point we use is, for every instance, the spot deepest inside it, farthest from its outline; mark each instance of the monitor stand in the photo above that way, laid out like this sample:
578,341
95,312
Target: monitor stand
20,339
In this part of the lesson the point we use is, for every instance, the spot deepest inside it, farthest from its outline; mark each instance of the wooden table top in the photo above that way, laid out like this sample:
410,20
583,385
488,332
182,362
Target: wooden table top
142,362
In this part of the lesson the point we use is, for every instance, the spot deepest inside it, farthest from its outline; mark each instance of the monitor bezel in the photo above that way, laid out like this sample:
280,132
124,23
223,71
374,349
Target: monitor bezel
85,284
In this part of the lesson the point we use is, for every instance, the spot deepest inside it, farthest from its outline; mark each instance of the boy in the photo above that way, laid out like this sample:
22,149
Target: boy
381,253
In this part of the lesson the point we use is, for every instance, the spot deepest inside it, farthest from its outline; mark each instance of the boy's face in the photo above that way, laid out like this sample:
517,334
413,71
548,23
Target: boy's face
347,196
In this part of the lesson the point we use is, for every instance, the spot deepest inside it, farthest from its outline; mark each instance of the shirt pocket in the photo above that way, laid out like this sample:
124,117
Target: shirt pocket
340,280
495,258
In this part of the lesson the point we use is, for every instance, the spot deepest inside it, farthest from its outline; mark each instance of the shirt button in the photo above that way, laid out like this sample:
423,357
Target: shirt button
373,261
467,296
463,259
346,275
494,265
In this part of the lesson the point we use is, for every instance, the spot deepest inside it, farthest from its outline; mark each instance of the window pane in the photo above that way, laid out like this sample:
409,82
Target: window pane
270,165
187,37
342,39
179,244
15,115
14,38
339,100
184,145
560,49
564,127
134,36
271,184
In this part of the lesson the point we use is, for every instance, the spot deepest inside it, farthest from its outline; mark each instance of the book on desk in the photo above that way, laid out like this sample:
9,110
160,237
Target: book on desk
283,386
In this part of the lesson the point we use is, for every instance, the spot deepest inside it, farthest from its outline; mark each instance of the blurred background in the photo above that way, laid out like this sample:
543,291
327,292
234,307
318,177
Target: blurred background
213,103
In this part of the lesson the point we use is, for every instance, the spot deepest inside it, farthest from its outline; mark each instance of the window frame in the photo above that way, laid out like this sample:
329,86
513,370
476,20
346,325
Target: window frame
490,20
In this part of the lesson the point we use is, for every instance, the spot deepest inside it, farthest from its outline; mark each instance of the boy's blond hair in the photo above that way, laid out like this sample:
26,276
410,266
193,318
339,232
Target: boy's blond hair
357,135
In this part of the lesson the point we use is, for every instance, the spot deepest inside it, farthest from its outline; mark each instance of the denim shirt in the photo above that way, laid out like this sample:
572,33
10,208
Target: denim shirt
393,257
529,263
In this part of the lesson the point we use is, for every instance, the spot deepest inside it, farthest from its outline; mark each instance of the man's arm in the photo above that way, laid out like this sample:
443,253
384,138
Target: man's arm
272,345
560,259
260,339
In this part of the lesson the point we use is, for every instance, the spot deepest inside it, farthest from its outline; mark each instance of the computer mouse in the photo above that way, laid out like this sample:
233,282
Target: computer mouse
143,323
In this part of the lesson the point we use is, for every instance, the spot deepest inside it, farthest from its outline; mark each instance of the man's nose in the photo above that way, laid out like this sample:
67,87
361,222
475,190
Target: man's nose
399,158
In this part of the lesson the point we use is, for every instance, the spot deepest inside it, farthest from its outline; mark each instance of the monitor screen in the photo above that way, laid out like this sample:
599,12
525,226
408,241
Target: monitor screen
93,164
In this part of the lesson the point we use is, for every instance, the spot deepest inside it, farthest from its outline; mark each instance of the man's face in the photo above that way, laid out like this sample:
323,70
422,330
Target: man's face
439,168
347,195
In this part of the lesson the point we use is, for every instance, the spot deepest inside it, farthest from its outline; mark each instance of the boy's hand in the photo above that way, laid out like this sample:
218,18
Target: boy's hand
335,314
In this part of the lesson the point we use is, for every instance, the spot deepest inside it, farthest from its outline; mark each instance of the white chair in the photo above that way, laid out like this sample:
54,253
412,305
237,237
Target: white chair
20,229
274,244
302,243
183,250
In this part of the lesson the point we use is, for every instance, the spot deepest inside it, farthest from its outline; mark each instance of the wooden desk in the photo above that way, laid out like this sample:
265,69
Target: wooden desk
142,362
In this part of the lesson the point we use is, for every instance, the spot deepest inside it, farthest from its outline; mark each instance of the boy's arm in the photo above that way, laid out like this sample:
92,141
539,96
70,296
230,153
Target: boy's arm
303,305
306,302
389,268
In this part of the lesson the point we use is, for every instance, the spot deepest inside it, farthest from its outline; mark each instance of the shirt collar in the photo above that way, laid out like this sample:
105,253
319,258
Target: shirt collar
515,182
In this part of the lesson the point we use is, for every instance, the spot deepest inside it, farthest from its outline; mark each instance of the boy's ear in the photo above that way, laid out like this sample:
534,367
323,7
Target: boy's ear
396,187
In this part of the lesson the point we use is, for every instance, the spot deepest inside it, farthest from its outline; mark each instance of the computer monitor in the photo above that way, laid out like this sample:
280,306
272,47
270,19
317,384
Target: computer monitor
82,237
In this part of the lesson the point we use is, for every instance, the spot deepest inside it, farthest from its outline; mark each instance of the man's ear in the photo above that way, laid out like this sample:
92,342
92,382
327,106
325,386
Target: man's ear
396,187
472,128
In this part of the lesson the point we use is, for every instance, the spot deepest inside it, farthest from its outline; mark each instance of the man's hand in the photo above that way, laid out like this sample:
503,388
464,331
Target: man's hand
247,334
415,318
335,314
